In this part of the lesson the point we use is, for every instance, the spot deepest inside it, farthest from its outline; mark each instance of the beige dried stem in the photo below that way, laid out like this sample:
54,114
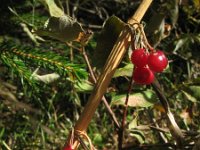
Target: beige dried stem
112,63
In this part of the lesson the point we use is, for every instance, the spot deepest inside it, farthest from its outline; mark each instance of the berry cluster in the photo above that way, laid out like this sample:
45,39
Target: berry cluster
146,64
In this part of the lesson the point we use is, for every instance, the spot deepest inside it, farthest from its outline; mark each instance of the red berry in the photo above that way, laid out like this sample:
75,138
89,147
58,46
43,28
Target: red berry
157,61
139,57
143,75
68,147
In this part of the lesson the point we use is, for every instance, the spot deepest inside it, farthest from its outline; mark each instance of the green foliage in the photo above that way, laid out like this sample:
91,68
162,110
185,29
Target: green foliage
106,40
37,57
53,9
141,99
124,71
62,28
44,84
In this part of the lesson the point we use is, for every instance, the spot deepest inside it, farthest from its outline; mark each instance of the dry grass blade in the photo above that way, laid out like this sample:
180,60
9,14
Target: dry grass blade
174,128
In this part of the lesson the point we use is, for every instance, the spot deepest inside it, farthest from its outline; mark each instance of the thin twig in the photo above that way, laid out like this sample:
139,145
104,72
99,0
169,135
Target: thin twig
145,38
121,130
91,26
72,46
103,98
94,80
161,133
71,54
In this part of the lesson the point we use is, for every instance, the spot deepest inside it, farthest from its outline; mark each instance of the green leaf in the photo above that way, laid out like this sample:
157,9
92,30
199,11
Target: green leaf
192,93
47,78
139,135
98,139
133,123
62,28
180,43
174,11
125,71
2,132
155,23
143,99
84,86
54,10
106,40
155,27
189,96
195,91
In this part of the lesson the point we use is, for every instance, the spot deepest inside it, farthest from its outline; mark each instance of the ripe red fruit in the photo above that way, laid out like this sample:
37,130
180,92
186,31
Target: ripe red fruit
139,57
143,75
68,147
157,61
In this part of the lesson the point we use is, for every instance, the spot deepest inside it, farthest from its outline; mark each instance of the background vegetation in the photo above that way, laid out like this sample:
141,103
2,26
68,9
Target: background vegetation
45,83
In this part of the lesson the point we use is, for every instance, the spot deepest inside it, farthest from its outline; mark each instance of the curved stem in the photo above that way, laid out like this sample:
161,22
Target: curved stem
123,123
174,128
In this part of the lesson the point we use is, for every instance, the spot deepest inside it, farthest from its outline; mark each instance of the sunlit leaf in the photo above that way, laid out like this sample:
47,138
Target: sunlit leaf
139,135
192,93
97,139
180,43
189,96
125,71
133,123
62,28
195,91
84,86
143,99
29,33
54,10
47,78
106,40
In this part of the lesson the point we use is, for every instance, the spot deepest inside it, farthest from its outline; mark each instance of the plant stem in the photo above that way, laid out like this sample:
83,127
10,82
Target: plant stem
123,123
103,98
114,59
174,128
82,49
71,54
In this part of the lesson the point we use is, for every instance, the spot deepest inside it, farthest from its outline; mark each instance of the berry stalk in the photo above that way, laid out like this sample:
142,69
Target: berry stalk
123,123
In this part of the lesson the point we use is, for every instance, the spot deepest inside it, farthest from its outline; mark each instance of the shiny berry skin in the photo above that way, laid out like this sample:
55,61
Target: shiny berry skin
139,57
68,147
157,61
143,75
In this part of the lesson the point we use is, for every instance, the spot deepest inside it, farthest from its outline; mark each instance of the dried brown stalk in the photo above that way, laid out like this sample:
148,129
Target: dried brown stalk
112,63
